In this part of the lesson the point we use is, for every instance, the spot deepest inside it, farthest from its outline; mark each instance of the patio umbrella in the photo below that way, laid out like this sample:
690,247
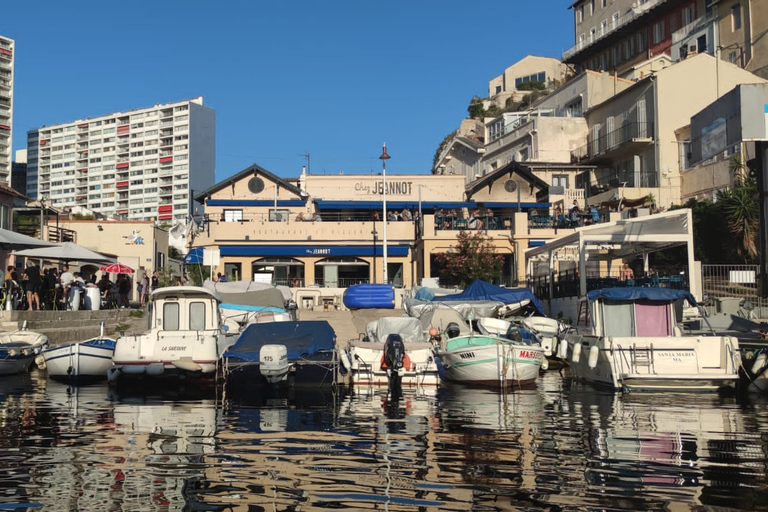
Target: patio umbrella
66,251
11,240
117,268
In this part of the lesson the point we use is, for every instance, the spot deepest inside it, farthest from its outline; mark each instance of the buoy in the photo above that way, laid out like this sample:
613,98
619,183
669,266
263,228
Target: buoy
113,374
563,354
594,351
545,364
576,354
759,365
40,362
345,362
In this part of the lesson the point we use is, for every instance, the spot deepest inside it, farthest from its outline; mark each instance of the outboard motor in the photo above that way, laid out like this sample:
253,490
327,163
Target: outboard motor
452,330
514,334
393,362
291,307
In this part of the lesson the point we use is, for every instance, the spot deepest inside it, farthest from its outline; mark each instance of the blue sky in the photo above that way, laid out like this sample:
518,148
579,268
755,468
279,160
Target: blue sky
332,79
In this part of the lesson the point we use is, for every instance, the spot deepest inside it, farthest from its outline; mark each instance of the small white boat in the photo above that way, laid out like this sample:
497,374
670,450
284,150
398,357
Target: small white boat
19,349
489,360
635,344
185,340
366,356
82,361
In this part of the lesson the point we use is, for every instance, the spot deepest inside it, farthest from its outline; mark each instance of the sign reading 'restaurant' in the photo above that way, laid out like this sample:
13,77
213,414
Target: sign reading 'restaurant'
394,188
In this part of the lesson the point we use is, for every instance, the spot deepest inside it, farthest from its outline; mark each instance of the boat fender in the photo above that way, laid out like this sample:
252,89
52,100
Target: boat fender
13,352
545,364
759,365
27,352
40,362
155,369
576,355
113,374
187,365
563,349
593,353
345,361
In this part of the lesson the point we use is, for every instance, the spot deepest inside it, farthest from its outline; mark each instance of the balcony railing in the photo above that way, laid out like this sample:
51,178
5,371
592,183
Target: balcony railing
642,132
642,7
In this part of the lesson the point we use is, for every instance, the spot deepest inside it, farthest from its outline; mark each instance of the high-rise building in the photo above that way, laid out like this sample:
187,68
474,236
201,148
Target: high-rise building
19,172
6,106
138,165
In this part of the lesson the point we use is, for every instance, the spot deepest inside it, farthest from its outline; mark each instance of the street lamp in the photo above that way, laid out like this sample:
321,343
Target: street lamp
384,157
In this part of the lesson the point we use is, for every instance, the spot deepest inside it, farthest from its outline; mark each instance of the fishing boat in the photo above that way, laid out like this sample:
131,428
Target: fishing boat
300,353
19,350
487,360
185,340
82,361
634,343
366,355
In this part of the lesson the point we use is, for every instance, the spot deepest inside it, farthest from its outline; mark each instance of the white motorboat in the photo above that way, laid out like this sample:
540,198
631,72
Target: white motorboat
184,340
19,349
366,356
488,360
81,361
635,344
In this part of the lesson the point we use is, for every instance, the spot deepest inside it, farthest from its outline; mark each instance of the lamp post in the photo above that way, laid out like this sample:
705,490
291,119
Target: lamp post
384,157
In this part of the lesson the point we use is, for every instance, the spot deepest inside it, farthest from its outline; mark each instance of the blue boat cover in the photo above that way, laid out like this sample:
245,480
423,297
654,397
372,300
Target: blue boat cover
300,339
638,293
361,296
424,294
481,290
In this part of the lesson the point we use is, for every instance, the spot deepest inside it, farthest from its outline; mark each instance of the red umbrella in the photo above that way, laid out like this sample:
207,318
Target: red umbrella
117,268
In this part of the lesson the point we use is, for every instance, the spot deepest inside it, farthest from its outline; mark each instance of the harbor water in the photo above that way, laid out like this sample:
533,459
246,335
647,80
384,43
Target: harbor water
559,446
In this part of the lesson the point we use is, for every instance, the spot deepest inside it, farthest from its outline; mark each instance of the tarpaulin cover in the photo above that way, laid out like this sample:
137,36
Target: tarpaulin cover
300,339
480,290
637,293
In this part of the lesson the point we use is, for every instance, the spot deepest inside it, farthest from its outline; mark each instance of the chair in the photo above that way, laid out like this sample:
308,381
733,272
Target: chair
462,223
561,221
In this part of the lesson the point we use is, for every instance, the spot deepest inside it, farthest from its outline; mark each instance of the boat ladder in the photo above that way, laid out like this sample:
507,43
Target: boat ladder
642,357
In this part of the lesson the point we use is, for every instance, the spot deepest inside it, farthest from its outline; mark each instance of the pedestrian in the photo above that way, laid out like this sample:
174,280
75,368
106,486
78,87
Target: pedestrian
144,286
155,281
123,289
33,286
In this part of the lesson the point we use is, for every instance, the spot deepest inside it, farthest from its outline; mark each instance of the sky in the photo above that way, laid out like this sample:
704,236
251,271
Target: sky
332,79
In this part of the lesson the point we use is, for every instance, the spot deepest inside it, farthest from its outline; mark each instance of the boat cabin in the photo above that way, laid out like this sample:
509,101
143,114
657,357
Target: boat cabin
184,308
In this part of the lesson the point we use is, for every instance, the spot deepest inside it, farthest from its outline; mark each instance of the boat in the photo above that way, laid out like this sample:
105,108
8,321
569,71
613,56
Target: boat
237,317
297,353
635,344
185,340
369,295
80,362
366,355
487,360
20,349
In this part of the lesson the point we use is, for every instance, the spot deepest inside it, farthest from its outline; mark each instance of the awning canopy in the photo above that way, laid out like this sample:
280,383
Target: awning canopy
393,205
194,256
621,240
313,250
253,202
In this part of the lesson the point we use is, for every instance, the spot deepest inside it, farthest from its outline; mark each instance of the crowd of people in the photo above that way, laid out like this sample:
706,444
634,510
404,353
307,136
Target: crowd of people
33,289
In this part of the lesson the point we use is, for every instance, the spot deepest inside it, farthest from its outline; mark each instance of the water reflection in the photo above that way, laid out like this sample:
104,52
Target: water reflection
557,447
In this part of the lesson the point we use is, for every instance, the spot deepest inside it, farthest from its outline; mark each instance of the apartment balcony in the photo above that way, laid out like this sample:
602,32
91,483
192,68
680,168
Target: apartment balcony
616,29
627,140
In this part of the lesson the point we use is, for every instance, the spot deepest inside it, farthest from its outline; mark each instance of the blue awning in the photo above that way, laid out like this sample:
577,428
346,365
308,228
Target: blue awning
514,205
253,202
312,250
194,256
394,205
536,243
631,293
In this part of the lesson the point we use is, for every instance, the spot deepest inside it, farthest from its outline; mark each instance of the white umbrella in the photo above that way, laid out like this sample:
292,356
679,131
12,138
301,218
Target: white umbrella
11,240
66,251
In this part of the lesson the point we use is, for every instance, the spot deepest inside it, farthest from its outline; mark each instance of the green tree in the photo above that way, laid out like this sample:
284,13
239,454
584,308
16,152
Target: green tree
742,212
475,108
472,257
166,276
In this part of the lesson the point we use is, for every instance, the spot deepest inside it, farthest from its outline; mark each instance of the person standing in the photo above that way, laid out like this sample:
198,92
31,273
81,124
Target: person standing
123,289
155,281
144,284
33,286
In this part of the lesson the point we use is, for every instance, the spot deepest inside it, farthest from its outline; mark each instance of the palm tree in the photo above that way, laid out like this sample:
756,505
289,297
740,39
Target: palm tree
741,211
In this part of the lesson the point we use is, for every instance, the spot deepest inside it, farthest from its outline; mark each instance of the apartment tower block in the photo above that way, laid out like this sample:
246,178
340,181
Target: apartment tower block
144,164
6,107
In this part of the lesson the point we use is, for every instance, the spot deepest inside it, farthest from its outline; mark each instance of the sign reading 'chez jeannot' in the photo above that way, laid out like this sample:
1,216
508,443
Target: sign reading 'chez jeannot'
394,188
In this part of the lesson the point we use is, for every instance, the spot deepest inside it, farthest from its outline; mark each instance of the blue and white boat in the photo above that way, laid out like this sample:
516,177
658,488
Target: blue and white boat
82,361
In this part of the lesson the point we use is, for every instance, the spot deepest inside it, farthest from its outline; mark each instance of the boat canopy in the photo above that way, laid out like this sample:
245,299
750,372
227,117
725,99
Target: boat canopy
632,293
299,338
409,329
481,290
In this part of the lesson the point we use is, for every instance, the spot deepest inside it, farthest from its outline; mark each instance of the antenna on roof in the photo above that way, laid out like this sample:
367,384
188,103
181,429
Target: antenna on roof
306,155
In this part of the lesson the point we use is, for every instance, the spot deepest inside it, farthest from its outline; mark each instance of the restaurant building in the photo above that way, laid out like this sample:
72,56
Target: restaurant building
327,230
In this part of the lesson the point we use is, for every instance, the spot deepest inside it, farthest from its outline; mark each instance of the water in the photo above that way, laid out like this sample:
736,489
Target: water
557,447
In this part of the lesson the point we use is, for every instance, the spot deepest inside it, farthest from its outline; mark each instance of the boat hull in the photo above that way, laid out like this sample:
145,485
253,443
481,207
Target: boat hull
490,361
681,363
84,361
19,349
365,358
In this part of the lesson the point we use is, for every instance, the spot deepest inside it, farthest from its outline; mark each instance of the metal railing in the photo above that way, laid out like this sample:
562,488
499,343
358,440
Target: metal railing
612,140
741,282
